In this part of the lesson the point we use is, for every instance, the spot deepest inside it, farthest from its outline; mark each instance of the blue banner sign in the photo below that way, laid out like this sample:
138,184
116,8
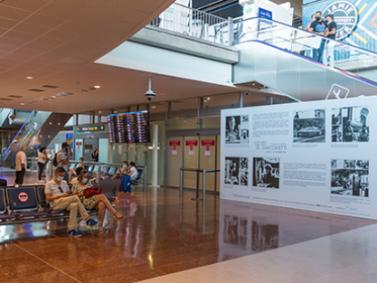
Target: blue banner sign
265,14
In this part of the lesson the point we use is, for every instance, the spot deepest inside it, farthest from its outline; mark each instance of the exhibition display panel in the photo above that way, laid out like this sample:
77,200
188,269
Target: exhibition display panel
313,155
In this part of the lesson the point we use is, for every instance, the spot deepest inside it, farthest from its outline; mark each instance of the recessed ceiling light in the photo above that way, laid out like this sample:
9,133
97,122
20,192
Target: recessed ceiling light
154,106
29,77
97,86
22,103
99,112
54,96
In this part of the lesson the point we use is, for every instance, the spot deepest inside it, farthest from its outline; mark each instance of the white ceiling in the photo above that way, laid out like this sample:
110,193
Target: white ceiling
57,41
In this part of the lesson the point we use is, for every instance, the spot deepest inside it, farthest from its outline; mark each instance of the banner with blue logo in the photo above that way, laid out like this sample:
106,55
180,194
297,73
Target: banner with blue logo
356,19
264,14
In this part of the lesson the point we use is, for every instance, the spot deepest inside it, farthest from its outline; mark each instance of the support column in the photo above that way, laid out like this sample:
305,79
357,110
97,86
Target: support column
155,157
269,100
241,100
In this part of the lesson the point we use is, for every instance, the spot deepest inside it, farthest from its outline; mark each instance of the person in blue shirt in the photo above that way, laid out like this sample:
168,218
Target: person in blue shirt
319,26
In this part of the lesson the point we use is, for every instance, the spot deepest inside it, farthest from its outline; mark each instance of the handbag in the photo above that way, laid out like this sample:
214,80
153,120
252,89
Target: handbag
89,192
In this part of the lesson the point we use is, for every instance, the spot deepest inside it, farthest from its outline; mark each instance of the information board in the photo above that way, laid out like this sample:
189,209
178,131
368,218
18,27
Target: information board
313,155
130,127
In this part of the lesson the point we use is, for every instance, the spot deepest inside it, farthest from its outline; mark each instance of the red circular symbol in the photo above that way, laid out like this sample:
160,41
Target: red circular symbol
23,197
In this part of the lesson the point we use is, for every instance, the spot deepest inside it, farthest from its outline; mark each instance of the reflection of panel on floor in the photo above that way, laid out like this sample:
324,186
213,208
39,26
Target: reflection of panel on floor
264,236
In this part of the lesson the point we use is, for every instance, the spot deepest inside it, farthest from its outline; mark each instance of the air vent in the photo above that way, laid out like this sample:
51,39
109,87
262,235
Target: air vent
36,90
15,96
5,99
50,86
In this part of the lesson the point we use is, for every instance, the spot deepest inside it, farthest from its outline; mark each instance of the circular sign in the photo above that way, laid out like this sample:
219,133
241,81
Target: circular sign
23,197
345,16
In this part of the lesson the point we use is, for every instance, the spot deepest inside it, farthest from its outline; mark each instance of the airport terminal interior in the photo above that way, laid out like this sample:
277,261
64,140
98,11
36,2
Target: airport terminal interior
225,141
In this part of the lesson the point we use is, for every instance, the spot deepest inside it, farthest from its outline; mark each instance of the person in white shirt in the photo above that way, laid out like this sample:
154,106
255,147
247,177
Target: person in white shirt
133,172
58,195
42,160
21,164
62,158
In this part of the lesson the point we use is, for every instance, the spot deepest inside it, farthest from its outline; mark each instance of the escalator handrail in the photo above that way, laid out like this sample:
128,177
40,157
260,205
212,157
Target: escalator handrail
343,72
372,53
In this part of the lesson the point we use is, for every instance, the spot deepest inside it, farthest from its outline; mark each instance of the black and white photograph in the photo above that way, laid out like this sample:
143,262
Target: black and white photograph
350,124
350,177
237,129
266,172
309,126
236,171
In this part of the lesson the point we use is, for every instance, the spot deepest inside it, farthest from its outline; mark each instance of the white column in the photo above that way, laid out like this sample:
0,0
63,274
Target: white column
155,157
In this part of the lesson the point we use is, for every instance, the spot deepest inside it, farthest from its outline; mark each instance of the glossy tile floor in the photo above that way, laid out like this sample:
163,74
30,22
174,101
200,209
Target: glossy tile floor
348,257
160,237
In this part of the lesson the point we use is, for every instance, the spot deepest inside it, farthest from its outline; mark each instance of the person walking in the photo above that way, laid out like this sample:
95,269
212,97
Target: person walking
42,161
21,164
95,155
62,158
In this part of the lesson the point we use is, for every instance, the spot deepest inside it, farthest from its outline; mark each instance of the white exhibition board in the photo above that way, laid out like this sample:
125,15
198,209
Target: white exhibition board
317,155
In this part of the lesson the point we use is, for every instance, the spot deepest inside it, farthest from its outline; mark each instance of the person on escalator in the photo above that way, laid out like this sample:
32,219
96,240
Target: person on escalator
331,31
319,27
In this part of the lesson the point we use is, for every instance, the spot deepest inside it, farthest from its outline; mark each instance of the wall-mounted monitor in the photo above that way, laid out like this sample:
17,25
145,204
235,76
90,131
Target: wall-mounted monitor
130,127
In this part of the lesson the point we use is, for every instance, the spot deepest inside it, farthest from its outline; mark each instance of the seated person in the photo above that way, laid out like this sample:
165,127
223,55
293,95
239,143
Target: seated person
58,195
98,202
80,166
122,170
133,172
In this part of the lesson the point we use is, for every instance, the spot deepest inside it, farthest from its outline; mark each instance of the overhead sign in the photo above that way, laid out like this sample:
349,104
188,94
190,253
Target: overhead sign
264,14
91,129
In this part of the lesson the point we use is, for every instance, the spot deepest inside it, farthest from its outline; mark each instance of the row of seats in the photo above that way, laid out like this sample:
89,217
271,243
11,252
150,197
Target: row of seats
29,203
25,203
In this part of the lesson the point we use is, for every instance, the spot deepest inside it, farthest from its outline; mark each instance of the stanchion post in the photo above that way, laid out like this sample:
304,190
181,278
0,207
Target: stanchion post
181,195
145,178
204,199
197,183
180,184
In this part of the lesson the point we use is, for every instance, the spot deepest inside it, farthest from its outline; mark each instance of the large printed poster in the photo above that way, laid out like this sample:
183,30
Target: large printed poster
312,155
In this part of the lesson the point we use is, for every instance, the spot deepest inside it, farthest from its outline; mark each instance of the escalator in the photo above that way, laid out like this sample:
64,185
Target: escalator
286,59
39,127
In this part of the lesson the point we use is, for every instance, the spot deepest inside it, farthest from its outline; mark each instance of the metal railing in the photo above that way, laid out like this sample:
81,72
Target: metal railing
204,173
195,23
201,25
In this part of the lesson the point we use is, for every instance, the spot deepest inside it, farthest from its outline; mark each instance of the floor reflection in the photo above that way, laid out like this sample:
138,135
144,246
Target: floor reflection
159,237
